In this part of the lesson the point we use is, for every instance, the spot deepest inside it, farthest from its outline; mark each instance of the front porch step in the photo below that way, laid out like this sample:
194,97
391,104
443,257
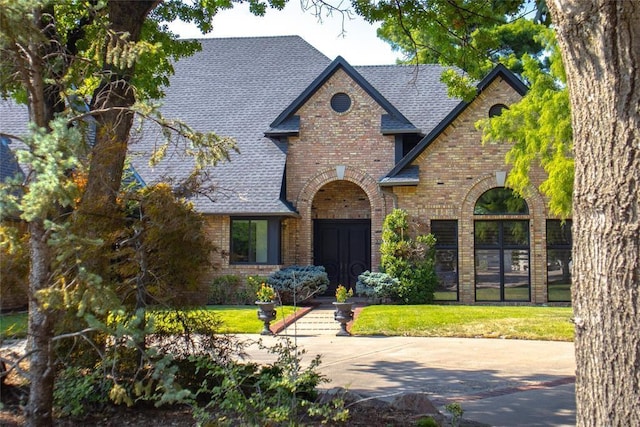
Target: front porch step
318,321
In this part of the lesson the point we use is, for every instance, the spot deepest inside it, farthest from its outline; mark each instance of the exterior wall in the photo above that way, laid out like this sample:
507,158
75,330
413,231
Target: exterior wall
341,200
328,139
455,170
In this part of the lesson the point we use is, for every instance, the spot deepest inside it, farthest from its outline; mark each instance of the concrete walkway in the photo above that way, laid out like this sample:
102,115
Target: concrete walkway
498,382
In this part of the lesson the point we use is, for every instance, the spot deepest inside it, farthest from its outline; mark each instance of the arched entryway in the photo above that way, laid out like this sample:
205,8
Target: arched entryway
341,214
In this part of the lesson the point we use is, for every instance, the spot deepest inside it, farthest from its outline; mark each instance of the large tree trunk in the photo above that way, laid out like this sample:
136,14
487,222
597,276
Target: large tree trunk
98,209
44,102
39,409
113,97
600,43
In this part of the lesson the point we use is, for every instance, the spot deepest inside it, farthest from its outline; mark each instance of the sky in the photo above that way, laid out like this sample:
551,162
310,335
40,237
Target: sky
359,45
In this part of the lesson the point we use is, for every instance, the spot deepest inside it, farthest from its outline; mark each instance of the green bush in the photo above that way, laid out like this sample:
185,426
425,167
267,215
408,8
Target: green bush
378,286
79,391
231,290
252,286
297,284
409,256
224,290
281,393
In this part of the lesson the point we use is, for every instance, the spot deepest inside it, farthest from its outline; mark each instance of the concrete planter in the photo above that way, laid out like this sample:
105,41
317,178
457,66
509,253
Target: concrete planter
343,315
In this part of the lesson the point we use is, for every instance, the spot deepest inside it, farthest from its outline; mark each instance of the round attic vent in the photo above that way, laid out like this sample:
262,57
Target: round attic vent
340,102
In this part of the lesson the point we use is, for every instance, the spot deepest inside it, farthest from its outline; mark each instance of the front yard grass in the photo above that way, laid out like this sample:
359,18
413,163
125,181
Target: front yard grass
236,319
533,323
530,323
244,319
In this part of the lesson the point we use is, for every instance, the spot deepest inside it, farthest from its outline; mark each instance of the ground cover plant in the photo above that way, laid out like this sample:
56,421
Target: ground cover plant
534,323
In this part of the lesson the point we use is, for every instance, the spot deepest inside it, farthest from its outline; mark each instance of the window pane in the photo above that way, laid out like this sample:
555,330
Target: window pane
487,275
559,274
445,232
446,254
260,241
559,233
249,241
516,275
500,201
487,233
447,272
240,241
515,233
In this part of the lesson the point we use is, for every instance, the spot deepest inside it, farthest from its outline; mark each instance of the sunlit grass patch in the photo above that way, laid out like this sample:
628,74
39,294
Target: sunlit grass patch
534,323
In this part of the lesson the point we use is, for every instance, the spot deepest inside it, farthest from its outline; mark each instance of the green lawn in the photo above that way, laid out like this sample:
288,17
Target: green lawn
235,320
13,325
244,319
535,323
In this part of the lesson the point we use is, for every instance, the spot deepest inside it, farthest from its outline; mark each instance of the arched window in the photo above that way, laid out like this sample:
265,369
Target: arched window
500,201
501,247
496,110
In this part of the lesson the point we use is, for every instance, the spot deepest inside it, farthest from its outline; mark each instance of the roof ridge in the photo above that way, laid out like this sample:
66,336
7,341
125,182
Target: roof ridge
402,65
246,37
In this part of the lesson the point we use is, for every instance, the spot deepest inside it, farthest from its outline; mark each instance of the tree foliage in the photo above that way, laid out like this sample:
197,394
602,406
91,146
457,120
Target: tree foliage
474,36
81,67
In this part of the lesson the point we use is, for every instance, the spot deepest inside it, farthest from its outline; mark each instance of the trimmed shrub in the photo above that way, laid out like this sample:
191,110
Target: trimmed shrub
378,286
409,256
299,283
230,289
224,289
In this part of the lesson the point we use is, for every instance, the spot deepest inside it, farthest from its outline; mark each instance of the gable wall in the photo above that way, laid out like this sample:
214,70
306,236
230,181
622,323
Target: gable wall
455,170
328,139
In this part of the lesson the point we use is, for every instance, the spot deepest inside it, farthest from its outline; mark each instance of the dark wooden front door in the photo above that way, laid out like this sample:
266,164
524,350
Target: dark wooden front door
343,247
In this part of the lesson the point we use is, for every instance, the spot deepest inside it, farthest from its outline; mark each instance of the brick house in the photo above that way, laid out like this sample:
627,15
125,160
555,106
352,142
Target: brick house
327,150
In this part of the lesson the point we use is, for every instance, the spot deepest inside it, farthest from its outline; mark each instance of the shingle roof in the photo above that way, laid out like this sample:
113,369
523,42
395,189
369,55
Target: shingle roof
13,118
9,167
237,87
13,123
415,90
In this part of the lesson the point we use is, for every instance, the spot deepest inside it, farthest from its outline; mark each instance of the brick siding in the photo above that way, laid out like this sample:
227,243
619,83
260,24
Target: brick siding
454,171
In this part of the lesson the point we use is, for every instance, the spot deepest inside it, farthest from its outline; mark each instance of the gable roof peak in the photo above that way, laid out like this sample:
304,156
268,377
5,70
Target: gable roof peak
336,64
498,71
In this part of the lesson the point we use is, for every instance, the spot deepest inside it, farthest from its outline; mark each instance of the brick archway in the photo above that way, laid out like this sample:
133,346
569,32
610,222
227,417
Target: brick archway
304,203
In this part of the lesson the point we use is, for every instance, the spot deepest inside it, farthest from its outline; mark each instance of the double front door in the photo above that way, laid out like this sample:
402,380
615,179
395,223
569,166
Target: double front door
343,247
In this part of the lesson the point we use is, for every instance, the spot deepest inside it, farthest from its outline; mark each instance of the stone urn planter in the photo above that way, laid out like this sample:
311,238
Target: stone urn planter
266,313
343,315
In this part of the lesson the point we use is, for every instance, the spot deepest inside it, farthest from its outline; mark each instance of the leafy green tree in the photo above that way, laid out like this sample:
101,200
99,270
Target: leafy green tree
593,145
